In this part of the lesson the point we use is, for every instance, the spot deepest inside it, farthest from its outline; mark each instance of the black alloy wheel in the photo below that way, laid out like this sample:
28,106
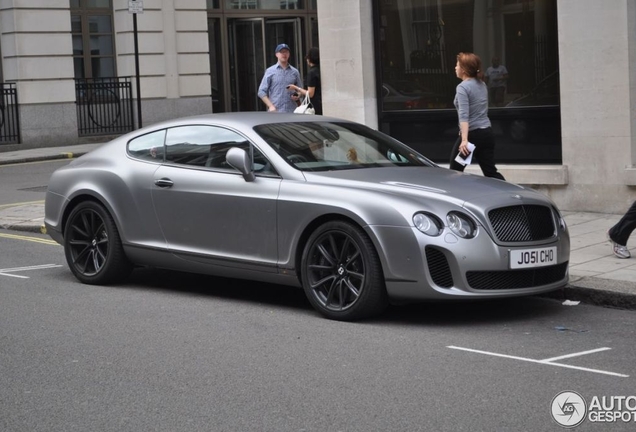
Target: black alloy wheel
341,273
92,245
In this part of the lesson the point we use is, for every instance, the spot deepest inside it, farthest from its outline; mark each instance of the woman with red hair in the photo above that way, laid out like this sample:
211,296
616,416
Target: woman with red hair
471,101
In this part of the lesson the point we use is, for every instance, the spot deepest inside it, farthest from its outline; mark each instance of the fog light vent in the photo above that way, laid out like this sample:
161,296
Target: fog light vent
438,267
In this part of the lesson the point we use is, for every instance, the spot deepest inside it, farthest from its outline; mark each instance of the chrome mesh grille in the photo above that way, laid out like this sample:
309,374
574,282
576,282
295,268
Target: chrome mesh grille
522,223
511,279
438,268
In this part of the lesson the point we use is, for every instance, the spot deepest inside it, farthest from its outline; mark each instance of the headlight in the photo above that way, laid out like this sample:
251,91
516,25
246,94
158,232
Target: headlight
562,223
461,225
427,223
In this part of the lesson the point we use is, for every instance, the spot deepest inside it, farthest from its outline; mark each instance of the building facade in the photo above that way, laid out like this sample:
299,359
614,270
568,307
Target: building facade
561,75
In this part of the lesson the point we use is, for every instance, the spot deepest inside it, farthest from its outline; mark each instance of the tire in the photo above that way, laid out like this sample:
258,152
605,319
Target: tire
92,246
341,273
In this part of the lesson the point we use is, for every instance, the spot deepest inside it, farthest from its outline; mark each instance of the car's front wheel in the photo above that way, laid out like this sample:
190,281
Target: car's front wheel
92,245
341,273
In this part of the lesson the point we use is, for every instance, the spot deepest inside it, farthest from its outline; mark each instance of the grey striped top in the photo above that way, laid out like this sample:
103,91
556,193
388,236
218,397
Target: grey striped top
471,101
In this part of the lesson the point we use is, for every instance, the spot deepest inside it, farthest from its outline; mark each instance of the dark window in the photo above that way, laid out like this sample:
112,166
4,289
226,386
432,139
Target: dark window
418,43
216,64
93,41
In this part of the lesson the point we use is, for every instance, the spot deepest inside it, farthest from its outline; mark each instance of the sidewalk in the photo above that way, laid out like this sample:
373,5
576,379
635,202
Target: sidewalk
596,276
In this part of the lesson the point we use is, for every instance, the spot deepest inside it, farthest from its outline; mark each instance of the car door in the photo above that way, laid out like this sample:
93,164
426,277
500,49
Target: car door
207,211
143,230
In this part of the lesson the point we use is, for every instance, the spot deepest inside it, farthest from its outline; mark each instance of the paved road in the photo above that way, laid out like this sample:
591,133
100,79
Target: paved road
26,182
168,351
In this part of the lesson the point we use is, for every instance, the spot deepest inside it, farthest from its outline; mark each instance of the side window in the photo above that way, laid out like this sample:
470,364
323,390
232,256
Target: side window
261,164
202,146
148,147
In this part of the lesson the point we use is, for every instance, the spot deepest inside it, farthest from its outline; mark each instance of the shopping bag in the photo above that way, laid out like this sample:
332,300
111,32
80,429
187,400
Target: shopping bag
305,107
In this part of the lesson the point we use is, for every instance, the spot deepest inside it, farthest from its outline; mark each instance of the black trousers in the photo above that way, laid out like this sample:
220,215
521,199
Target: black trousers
623,229
484,140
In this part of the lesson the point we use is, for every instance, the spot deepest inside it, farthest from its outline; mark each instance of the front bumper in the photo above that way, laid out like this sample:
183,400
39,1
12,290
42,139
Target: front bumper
420,267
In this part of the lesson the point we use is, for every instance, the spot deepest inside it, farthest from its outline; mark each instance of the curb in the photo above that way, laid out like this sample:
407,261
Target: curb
595,294
40,229
64,155
599,297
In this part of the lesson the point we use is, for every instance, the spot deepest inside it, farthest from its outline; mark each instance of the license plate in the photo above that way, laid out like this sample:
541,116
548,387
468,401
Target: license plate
524,258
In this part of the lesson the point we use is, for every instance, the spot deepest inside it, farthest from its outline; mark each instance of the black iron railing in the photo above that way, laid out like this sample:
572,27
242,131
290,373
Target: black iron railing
104,106
9,115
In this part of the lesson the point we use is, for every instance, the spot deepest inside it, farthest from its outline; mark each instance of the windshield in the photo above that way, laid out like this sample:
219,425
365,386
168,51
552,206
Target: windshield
326,146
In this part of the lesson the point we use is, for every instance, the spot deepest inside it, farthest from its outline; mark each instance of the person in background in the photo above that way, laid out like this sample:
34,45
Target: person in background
312,81
619,233
273,90
496,77
471,101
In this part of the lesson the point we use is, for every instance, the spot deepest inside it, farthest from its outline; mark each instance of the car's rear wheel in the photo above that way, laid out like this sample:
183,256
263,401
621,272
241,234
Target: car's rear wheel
341,273
93,247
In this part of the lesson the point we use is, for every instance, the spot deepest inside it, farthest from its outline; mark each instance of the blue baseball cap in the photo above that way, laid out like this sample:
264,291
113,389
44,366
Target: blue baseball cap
281,47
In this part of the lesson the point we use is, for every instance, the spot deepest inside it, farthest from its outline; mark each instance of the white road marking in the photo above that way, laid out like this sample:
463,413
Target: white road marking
575,354
15,276
545,362
6,272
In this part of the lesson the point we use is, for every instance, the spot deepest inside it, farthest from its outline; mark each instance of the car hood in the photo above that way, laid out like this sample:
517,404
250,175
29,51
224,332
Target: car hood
476,193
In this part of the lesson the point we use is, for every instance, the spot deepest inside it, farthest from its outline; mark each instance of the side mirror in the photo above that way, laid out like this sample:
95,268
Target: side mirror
239,159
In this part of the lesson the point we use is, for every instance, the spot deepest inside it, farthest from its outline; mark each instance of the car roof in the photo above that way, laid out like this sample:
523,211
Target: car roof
240,120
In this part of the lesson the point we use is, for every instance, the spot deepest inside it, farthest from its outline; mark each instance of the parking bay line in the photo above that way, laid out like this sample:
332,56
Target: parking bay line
547,361
7,272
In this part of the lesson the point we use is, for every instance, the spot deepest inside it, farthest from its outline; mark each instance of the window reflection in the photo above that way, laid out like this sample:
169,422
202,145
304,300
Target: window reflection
93,41
98,3
203,146
101,45
420,41
103,67
148,147
99,24
264,4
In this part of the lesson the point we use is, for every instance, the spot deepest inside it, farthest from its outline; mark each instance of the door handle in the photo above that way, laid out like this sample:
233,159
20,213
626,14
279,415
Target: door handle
164,183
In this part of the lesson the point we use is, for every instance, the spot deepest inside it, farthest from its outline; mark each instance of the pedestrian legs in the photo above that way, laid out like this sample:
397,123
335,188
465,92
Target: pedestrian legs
620,232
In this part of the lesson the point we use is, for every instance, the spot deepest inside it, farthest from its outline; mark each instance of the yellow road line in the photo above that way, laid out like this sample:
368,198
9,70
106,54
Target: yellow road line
27,238
21,203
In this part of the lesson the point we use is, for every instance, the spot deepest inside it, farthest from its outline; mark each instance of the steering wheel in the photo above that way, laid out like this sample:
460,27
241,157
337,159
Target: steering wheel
296,158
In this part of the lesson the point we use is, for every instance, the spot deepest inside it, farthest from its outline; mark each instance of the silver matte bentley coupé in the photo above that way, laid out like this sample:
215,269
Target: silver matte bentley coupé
354,217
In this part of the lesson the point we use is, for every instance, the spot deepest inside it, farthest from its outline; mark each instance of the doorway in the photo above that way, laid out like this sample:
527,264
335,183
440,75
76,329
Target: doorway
252,42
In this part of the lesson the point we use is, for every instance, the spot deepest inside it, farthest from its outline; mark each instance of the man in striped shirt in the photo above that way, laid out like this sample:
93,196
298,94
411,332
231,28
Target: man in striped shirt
273,89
